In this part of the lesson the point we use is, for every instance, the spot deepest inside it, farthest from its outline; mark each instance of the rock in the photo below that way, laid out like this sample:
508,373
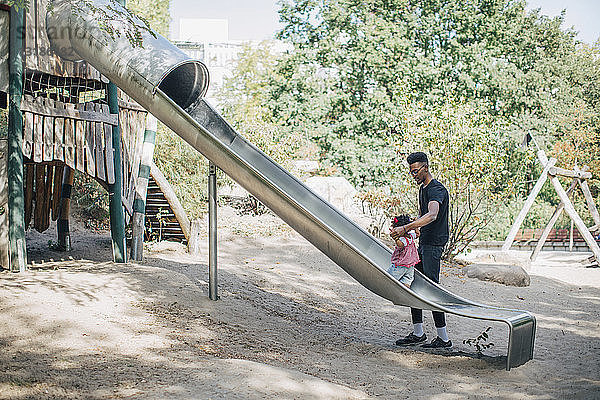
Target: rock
507,274
489,256
308,166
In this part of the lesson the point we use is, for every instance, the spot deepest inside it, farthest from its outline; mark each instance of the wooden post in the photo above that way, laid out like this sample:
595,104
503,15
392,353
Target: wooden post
194,240
62,225
4,75
571,237
115,190
548,228
570,209
117,220
589,200
16,196
139,204
528,203
4,245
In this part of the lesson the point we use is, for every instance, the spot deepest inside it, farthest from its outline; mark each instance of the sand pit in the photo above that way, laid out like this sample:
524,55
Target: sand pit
289,324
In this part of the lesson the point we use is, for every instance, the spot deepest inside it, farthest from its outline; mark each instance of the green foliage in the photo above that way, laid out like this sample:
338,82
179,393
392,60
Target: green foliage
461,81
3,122
578,140
17,4
470,155
155,13
113,21
359,61
379,204
91,198
242,100
185,169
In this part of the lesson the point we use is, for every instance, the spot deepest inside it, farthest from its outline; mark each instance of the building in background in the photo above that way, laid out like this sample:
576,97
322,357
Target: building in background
208,40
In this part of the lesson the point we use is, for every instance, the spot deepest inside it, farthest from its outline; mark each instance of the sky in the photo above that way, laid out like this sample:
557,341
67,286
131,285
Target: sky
258,19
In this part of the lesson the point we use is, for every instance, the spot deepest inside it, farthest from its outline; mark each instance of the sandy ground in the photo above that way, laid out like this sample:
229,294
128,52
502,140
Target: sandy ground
289,324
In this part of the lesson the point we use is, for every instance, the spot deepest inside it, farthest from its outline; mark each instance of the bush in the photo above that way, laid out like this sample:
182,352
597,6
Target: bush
3,122
91,201
186,170
468,153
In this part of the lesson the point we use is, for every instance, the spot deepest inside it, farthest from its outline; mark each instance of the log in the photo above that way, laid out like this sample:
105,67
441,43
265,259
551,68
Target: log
40,190
99,132
80,145
569,173
70,141
29,182
48,186
589,199
56,190
109,154
137,238
28,135
141,188
64,237
59,138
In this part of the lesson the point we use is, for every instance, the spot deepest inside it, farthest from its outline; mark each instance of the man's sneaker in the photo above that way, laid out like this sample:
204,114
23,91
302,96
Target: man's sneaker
437,343
411,339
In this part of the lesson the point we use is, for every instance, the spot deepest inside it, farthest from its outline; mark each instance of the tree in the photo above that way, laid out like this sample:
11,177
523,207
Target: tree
468,153
370,56
155,13
243,97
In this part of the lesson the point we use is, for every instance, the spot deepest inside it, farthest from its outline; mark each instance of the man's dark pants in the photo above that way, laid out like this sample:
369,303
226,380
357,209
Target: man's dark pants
430,267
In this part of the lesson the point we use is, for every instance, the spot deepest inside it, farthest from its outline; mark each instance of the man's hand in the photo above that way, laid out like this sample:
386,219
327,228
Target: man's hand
397,232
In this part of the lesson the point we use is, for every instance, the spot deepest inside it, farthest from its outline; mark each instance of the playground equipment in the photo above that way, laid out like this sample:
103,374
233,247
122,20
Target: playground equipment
579,177
170,85
66,117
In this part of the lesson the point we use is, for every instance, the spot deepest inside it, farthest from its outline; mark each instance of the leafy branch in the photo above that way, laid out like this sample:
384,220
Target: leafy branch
113,19
478,341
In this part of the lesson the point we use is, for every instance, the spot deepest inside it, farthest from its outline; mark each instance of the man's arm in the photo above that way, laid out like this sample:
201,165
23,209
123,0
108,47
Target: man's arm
433,208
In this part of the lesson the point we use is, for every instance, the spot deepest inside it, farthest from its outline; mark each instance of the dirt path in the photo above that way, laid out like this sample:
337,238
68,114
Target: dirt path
290,324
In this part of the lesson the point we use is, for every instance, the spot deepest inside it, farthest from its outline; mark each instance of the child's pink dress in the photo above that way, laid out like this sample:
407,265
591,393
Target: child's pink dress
405,259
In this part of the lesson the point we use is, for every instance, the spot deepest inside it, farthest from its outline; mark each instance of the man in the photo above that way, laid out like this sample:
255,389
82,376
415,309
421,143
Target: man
433,224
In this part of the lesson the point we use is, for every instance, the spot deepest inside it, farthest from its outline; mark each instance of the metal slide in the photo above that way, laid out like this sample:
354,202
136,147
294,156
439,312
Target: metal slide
170,85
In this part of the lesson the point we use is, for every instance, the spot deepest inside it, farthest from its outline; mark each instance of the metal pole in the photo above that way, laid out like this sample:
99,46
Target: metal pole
16,196
212,231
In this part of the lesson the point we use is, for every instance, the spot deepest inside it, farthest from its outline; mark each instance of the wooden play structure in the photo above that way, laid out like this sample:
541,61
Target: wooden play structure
66,116
579,178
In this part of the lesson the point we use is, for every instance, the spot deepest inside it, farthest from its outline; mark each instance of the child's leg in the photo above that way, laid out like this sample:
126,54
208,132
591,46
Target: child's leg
408,276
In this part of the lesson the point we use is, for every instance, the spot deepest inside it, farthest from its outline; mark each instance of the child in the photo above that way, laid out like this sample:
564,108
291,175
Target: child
405,255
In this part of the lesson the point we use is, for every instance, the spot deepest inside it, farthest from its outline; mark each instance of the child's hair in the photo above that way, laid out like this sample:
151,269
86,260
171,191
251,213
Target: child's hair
400,220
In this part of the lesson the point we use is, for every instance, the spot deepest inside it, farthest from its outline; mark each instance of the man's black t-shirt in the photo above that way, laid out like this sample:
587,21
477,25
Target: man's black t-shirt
435,233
